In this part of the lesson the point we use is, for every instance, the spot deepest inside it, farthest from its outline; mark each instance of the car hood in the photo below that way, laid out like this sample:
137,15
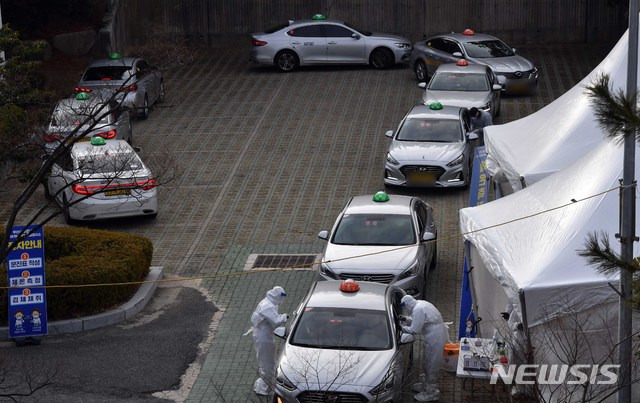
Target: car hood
465,99
380,35
425,153
326,369
508,64
392,258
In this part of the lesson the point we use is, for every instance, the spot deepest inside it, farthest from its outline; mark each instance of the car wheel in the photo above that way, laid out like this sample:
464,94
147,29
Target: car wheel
286,61
381,58
145,108
130,139
65,211
498,110
161,96
47,194
421,71
152,216
434,259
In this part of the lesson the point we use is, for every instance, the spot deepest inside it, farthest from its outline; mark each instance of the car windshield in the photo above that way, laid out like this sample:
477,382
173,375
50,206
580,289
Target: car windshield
106,73
459,82
362,31
430,130
375,229
493,48
68,115
116,162
276,28
341,328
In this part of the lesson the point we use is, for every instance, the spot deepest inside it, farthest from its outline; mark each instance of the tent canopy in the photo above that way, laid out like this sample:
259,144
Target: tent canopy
538,254
550,139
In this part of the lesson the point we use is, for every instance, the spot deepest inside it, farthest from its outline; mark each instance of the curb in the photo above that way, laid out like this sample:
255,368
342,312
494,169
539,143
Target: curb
126,311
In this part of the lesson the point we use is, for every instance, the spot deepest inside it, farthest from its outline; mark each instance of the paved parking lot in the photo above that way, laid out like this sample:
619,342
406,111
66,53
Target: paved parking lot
268,159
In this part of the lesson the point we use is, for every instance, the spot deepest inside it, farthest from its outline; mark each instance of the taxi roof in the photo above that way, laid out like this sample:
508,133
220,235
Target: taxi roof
454,68
396,204
327,294
84,148
476,37
447,112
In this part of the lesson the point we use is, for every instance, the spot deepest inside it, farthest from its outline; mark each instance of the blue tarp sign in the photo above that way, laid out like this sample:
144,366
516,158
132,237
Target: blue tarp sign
27,295
479,194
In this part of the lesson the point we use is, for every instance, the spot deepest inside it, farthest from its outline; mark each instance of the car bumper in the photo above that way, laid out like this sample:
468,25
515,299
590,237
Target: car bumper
259,56
403,56
519,85
98,209
450,177
342,393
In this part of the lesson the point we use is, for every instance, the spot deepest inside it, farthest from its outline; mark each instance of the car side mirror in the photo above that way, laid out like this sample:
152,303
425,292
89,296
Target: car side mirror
323,235
428,236
406,338
514,50
137,149
389,133
472,135
457,54
497,87
355,36
422,85
281,332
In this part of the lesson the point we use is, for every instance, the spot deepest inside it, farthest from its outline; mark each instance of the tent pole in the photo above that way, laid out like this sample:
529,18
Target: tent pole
525,325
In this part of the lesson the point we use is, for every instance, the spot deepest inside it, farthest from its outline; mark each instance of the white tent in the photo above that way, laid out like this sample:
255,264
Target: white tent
531,148
532,263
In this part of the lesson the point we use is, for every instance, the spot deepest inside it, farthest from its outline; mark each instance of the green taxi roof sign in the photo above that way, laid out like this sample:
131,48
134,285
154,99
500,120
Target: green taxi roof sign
98,141
82,96
381,197
436,106
115,56
318,17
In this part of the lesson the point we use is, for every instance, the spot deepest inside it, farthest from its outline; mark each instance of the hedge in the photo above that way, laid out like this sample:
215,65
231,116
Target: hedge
75,256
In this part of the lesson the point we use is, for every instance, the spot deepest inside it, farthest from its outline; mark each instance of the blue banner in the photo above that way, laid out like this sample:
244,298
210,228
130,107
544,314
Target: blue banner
479,194
27,295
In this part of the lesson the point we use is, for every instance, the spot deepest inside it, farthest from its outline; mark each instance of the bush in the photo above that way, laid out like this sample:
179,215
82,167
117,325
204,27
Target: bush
79,256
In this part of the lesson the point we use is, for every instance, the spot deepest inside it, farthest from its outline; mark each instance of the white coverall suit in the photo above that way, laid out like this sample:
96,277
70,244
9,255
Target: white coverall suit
264,321
427,320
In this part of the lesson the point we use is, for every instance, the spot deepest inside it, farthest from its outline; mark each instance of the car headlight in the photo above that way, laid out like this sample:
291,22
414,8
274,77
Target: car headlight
392,160
410,272
457,161
326,271
283,381
386,384
403,45
486,106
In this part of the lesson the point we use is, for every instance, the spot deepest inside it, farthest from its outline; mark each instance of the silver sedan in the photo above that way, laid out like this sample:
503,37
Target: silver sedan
140,84
464,85
515,73
323,41
345,344
431,148
382,238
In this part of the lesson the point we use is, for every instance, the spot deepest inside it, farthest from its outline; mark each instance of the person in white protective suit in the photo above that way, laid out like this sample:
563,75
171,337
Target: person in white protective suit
264,320
426,320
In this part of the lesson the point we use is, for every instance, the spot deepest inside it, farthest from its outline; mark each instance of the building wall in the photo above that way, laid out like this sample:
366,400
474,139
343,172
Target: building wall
515,21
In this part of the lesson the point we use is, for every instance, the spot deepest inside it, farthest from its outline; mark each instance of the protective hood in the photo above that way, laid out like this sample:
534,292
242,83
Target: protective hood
425,153
276,295
408,302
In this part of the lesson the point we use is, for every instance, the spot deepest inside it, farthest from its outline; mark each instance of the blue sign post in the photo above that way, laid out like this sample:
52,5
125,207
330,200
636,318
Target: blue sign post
27,295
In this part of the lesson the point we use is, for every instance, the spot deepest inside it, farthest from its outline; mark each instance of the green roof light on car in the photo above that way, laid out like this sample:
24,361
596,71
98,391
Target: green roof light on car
318,17
381,197
115,56
435,106
98,141
82,96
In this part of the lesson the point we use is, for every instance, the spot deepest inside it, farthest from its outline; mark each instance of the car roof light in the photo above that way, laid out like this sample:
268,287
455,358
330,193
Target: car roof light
468,32
98,141
435,106
349,285
381,197
318,17
115,56
462,62
82,96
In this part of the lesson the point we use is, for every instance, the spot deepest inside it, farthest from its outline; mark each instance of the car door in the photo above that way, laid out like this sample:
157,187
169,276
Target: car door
344,45
121,119
395,296
495,94
146,81
439,52
427,224
60,177
309,43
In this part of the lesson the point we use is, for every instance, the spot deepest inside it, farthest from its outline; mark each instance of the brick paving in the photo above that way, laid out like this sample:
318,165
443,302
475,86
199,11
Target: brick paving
269,159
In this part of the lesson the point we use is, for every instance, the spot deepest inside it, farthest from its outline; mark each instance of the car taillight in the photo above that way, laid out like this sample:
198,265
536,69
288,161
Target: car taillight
256,42
86,189
132,87
50,138
82,89
106,135
148,185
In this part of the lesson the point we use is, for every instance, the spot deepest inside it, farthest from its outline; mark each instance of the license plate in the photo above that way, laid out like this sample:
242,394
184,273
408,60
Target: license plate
83,139
422,177
117,192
